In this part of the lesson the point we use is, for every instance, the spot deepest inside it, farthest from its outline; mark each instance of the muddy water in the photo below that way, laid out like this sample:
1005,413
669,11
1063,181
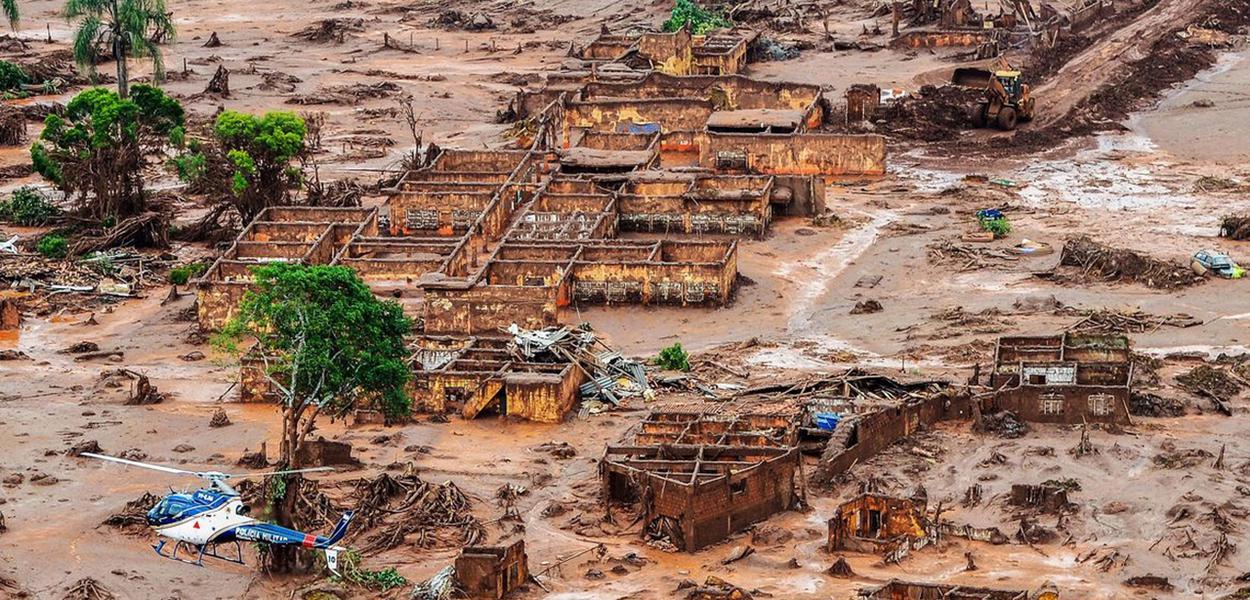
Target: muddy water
1214,134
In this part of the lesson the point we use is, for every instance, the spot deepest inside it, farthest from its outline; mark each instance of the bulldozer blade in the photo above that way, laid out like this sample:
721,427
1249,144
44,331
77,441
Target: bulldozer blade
972,77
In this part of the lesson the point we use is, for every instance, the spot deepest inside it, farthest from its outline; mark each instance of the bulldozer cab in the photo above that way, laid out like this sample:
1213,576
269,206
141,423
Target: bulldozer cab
1010,80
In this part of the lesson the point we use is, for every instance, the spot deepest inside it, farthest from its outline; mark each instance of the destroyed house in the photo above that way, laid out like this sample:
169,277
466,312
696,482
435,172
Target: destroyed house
905,590
727,124
491,572
674,53
697,478
851,416
872,522
303,235
1066,378
893,527
538,375
473,376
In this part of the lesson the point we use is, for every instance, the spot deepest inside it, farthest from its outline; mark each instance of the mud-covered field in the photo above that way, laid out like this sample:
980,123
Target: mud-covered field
1154,173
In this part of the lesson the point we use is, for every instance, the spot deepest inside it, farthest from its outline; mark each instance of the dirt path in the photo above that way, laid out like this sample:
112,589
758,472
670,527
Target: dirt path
1102,61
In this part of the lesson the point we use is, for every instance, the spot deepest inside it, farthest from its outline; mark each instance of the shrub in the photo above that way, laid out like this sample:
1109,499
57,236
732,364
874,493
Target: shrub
98,149
993,221
701,20
182,274
11,76
27,207
52,246
674,358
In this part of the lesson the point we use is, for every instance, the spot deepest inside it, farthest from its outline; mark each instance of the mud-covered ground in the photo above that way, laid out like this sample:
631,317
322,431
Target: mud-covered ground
1147,189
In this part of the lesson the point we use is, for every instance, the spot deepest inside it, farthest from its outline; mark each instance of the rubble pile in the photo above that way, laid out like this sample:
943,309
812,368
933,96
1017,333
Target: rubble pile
347,94
1121,265
1211,382
87,589
934,114
1116,321
330,30
1235,227
389,509
96,277
132,519
612,376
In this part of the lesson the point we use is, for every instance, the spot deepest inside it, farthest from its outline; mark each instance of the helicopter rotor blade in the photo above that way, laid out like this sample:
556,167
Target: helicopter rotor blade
310,470
134,463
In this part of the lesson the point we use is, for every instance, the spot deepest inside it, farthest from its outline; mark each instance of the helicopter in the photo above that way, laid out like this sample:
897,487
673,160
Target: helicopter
202,520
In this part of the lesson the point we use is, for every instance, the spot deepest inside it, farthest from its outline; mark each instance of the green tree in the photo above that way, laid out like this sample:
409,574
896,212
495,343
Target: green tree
328,345
248,159
97,151
700,20
129,28
11,13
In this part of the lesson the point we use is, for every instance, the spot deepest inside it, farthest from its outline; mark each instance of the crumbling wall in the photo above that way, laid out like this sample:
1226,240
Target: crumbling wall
669,53
486,308
874,519
542,397
875,431
325,453
217,302
942,39
729,92
642,115
723,507
1046,498
1070,404
828,155
492,572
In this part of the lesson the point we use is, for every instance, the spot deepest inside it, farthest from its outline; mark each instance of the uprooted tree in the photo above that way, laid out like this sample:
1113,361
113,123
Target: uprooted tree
246,162
328,345
97,151
128,28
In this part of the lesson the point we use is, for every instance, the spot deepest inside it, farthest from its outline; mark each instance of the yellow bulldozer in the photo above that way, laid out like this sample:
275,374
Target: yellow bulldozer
1007,100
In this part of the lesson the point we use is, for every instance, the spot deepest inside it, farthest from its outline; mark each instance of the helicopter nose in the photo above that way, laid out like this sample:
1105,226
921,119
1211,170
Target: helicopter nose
153,517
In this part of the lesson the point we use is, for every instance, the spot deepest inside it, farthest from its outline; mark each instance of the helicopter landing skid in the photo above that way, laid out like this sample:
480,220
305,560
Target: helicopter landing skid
202,552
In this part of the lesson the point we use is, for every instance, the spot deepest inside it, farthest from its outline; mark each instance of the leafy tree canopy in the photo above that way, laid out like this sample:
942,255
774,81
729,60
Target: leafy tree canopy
329,343
701,20
97,149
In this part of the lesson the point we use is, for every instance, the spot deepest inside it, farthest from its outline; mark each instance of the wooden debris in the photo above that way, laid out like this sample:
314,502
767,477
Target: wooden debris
219,85
1115,321
1121,265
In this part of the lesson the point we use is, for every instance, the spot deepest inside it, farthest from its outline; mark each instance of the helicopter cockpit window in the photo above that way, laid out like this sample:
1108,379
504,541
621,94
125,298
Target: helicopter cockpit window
169,507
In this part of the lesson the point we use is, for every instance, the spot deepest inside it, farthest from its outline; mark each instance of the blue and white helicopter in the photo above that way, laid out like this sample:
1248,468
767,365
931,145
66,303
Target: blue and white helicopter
202,520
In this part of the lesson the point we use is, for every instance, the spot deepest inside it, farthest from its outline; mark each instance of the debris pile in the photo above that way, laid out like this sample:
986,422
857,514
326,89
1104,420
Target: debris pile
348,94
12,126
612,376
934,114
1116,321
715,588
87,589
1210,382
330,30
133,518
440,586
968,257
1122,265
390,509
454,19
1235,227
